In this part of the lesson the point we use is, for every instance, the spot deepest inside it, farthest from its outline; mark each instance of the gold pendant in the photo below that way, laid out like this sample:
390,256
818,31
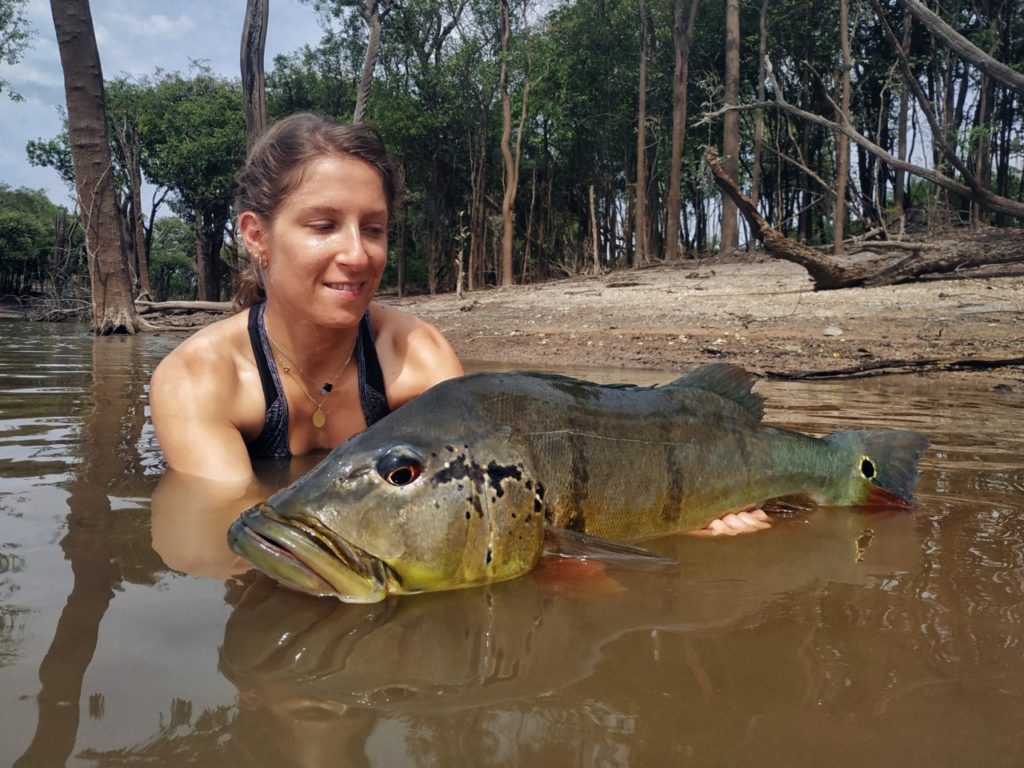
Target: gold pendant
319,418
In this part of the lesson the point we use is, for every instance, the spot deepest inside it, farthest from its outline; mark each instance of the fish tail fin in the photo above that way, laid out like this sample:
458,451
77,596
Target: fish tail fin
883,466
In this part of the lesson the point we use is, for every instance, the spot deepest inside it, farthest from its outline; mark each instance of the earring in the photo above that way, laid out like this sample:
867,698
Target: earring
264,262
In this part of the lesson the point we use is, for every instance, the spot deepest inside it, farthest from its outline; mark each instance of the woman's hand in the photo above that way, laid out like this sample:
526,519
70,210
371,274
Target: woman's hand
736,523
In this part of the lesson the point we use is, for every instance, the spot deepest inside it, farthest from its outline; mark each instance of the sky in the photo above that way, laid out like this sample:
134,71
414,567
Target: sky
134,37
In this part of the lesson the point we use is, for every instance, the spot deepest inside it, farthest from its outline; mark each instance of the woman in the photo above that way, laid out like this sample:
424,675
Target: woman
312,361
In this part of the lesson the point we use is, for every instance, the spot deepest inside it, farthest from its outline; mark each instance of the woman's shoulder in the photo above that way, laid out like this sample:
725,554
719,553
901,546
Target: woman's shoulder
212,354
414,354
393,325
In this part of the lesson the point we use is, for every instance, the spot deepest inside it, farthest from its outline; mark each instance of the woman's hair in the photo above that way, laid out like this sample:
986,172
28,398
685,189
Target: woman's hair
274,167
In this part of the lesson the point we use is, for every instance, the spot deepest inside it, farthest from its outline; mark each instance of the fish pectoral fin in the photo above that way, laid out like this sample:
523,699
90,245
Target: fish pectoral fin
561,542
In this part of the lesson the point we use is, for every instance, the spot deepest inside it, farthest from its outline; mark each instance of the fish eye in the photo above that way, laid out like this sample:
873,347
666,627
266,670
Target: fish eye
399,469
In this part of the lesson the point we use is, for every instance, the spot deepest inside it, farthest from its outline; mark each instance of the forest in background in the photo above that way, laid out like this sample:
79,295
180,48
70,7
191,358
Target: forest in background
543,140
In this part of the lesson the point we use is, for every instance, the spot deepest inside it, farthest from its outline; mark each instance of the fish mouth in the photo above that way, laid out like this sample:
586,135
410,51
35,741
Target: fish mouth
309,557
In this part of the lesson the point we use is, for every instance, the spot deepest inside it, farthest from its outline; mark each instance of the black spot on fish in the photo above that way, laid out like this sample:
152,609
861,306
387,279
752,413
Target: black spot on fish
490,555
450,448
460,469
496,473
538,505
867,468
469,515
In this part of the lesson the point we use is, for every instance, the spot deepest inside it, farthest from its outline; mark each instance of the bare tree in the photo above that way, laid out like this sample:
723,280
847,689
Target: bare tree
126,134
842,140
762,51
511,156
730,235
970,190
963,47
682,35
254,43
974,188
112,308
640,210
373,13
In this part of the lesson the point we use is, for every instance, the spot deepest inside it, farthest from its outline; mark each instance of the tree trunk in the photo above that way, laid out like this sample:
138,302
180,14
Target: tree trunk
528,240
401,256
128,138
762,52
478,209
842,141
898,185
373,14
510,161
642,257
113,310
254,42
731,124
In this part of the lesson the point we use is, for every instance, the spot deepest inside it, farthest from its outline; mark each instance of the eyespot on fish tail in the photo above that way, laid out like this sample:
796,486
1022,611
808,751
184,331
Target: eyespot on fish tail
886,465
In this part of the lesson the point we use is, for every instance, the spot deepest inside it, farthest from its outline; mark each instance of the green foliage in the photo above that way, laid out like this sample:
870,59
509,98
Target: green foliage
171,270
54,153
194,133
27,233
435,98
15,36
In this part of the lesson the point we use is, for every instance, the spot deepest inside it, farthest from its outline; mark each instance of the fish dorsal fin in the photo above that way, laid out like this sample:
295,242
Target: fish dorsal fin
728,381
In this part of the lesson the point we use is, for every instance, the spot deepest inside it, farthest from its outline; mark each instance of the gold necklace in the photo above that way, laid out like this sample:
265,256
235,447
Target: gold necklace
319,415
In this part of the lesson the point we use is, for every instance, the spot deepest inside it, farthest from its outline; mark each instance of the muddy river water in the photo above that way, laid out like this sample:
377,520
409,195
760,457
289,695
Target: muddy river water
837,638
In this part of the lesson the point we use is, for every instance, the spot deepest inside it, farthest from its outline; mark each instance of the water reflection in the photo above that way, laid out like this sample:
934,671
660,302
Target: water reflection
109,429
840,638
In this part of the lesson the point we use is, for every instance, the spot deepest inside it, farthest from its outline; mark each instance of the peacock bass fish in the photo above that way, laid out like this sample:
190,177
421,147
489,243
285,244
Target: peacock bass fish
465,484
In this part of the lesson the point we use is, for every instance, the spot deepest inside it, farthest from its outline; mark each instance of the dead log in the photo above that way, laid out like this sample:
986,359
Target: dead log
886,367
985,248
186,306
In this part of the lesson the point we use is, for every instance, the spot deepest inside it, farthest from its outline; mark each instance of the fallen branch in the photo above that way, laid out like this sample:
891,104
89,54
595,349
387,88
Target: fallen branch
883,367
990,247
187,306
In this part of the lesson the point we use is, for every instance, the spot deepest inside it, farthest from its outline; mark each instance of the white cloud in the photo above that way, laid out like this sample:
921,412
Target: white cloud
134,37
154,25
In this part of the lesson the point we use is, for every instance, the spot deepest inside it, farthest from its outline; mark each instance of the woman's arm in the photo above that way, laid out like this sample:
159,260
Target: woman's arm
195,400
190,519
414,355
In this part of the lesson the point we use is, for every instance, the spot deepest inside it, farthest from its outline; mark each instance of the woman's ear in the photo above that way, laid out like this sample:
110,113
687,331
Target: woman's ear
254,233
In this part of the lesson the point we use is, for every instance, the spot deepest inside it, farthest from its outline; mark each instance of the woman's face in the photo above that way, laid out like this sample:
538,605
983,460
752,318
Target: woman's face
327,247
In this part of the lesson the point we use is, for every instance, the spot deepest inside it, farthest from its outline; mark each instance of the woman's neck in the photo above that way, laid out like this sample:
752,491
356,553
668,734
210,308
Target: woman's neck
317,351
